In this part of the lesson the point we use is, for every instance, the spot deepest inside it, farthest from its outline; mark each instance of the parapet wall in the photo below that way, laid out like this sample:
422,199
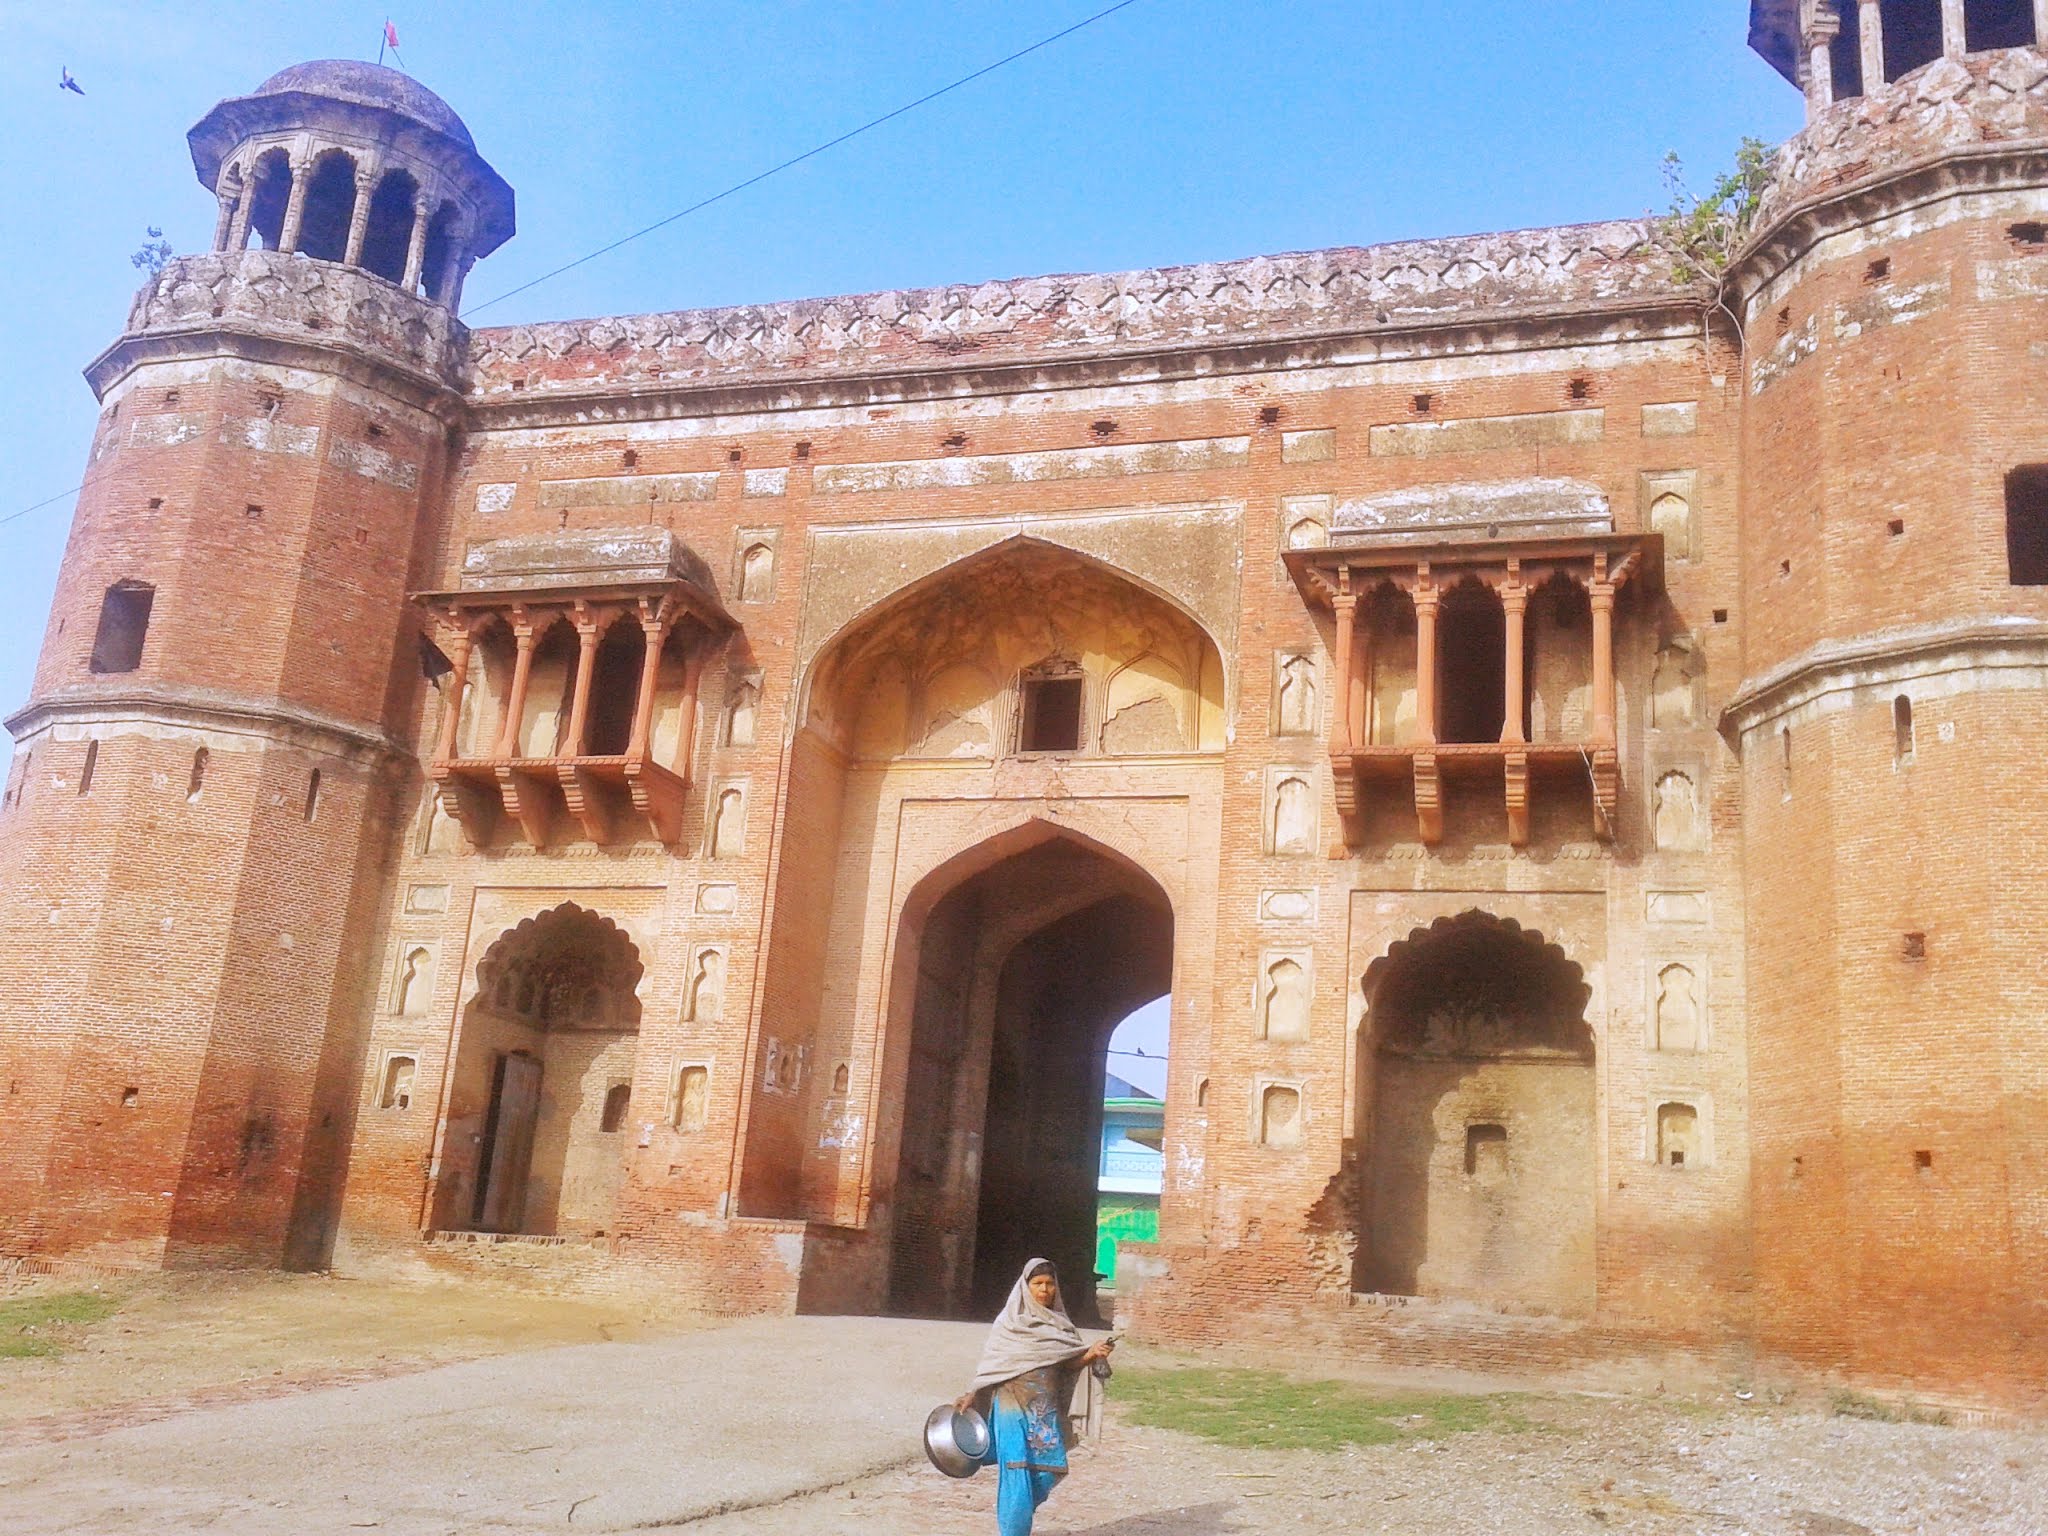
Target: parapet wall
1042,320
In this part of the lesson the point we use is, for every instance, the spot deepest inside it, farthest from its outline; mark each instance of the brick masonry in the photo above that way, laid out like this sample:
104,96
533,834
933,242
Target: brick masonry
259,1016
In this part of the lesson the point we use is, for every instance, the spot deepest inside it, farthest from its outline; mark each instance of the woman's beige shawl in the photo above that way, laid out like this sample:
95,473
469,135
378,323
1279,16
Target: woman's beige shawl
1027,1336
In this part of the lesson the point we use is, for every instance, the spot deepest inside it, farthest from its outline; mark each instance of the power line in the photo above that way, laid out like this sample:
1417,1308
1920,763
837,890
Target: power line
809,154
38,506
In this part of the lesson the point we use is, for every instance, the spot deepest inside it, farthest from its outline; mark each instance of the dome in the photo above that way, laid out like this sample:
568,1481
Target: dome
370,85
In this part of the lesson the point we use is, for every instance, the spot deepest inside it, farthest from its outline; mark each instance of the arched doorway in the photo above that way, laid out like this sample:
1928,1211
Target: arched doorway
1479,1117
541,1098
1022,969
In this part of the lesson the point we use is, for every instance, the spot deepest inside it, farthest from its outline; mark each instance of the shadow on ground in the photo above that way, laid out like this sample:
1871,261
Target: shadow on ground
1183,1520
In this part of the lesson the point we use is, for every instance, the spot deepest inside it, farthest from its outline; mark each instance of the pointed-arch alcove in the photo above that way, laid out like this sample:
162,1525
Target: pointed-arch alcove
1478,1116
540,1097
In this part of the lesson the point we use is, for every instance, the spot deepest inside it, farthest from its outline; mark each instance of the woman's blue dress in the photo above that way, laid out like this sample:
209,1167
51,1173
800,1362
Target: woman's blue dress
1029,1450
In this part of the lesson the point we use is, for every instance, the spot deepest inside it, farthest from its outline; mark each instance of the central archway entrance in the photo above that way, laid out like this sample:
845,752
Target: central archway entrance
1023,968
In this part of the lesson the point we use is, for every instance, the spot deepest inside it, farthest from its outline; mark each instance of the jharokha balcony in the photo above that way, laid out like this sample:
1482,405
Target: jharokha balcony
1475,640
574,662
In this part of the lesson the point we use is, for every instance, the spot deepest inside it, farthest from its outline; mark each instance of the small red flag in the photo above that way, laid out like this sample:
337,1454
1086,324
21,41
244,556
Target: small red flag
390,37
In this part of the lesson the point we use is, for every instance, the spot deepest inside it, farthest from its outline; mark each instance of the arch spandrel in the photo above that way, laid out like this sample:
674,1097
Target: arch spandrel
1190,556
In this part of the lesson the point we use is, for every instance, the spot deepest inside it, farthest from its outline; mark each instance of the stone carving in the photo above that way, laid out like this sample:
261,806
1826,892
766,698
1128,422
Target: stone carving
706,1000
415,981
1671,515
1982,98
693,1098
742,712
1677,822
1293,816
1672,705
717,898
1262,298
1676,906
284,296
1284,1000
1678,1010
1287,905
841,1074
1294,695
1305,521
1532,507
728,824
426,898
1280,1116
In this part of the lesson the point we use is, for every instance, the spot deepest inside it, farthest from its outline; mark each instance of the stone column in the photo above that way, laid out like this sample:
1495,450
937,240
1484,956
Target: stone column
1342,734
1870,40
1514,605
686,741
238,230
650,673
522,670
2041,23
359,216
586,666
1602,594
416,247
1425,658
458,685
1954,41
462,265
1820,74
295,207
229,205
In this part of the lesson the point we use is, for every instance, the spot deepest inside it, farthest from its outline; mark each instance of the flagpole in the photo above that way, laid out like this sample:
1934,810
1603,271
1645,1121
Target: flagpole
382,38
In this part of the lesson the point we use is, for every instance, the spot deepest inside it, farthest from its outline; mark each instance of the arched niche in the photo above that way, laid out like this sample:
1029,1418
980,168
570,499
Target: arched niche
952,656
1478,1113
550,1031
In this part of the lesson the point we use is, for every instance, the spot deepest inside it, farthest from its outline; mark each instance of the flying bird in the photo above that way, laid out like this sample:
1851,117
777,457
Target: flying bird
66,83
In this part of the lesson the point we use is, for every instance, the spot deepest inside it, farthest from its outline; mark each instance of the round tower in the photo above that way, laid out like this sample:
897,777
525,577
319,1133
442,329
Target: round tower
198,813
1893,715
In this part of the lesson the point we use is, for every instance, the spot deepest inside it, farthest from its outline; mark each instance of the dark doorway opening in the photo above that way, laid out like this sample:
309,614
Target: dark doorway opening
615,689
1023,971
1472,665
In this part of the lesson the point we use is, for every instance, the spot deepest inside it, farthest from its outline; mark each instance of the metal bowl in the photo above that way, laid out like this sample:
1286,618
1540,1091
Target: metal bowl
956,1441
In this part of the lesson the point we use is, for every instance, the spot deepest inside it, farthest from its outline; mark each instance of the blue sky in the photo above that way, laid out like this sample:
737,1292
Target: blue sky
1178,130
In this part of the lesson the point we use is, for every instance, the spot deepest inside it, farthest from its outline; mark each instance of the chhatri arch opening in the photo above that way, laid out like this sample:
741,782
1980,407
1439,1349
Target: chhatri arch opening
540,1101
1014,964
1478,1110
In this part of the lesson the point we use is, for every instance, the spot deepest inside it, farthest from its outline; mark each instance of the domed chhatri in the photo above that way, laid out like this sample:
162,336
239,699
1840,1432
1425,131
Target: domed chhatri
348,162
369,85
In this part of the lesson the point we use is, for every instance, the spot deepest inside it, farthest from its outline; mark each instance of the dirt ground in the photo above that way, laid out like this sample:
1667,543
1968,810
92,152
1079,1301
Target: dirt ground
215,1359
177,1342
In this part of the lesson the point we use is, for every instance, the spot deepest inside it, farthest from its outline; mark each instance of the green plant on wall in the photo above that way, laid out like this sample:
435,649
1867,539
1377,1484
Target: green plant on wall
1704,233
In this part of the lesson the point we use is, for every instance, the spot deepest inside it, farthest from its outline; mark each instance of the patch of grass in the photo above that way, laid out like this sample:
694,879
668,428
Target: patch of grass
1264,1410
1849,1404
36,1326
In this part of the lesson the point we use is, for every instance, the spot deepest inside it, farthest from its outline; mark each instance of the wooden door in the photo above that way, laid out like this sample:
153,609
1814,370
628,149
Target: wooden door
508,1143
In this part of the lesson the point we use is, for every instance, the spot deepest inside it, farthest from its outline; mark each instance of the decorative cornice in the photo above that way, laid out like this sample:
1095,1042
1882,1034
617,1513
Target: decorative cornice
293,310
1832,672
1034,323
1954,124
206,709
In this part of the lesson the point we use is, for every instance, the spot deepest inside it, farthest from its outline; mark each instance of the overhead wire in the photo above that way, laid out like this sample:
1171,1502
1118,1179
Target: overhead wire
812,153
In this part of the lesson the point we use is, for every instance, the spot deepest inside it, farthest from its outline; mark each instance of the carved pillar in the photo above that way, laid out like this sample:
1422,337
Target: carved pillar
1425,656
1820,73
1602,595
2041,23
295,207
1360,700
1514,606
1870,41
238,228
656,628
686,739
462,265
359,216
1342,733
586,666
416,246
230,203
458,686
1953,39
522,670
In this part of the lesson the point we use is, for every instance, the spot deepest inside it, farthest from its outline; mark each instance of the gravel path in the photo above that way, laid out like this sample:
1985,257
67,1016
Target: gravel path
1598,1464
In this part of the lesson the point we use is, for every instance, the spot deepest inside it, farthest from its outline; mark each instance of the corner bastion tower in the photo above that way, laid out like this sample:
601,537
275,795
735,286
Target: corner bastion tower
686,797
200,797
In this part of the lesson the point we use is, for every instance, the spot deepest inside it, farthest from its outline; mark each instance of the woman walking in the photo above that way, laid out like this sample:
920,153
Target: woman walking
1035,1379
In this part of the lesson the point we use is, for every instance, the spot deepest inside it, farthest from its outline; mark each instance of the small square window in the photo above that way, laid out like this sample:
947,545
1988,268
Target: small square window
1051,720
